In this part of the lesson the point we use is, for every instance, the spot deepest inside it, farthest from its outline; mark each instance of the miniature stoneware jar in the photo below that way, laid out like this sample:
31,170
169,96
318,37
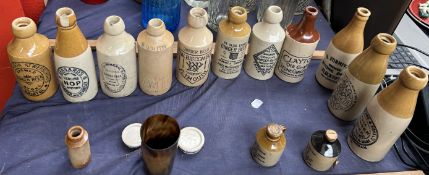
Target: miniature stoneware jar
155,58
73,59
78,147
360,81
269,145
231,44
298,48
265,45
30,57
194,50
116,59
323,150
343,48
387,116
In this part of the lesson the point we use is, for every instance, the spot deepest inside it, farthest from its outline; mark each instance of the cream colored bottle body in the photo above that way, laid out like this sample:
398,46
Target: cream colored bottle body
78,148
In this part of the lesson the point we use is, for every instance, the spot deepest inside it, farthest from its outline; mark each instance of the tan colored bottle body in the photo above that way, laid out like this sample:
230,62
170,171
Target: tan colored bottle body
78,148
266,150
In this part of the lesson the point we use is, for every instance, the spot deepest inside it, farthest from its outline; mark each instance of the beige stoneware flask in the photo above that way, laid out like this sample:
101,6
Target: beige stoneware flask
387,116
343,48
155,46
194,50
231,44
116,57
265,45
30,57
269,145
361,79
78,148
74,62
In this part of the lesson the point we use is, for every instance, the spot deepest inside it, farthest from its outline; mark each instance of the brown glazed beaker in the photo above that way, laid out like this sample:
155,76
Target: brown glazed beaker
160,135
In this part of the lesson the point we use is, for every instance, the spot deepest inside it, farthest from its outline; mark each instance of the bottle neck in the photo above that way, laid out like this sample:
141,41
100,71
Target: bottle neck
304,31
356,25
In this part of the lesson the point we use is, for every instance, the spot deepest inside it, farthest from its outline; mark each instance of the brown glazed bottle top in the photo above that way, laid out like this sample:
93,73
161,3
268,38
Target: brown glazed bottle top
76,136
235,25
23,27
237,15
275,131
304,31
65,17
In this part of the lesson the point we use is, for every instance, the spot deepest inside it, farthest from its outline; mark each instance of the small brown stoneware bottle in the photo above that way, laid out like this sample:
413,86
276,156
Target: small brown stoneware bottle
155,58
30,57
300,43
323,150
77,142
387,116
194,50
344,47
269,145
361,80
231,44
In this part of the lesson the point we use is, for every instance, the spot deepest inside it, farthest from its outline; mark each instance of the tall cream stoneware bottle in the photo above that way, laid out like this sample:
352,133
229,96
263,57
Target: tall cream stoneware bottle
116,57
265,45
343,48
30,57
73,59
155,58
194,50
361,80
387,116
231,44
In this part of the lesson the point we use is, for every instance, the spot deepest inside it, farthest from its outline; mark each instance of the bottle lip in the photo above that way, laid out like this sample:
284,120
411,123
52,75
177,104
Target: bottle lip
65,17
198,17
311,10
237,14
384,43
23,27
413,78
76,133
273,15
155,27
114,25
362,13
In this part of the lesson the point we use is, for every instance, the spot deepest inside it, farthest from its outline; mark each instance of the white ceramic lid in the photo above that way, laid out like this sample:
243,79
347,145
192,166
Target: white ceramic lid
131,135
191,140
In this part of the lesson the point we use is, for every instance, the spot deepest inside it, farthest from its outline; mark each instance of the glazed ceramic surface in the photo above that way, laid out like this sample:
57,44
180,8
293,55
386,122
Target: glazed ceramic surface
321,154
267,149
77,141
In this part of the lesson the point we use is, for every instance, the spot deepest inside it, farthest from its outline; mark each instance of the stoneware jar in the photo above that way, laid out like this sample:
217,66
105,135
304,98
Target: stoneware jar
78,147
342,49
116,59
269,145
387,116
323,150
265,44
298,48
360,81
73,59
155,58
194,50
30,56
231,44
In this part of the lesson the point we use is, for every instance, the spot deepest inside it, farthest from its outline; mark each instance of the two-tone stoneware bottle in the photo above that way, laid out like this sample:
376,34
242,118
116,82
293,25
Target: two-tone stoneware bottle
30,56
194,50
298,48
77,142
343,48
361,79
265,44
387,115
116,59
323,150
269,145
155,46
231,44
73,59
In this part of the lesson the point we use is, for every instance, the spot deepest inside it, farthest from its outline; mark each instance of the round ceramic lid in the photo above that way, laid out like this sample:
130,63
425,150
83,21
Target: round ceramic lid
131,135
191,140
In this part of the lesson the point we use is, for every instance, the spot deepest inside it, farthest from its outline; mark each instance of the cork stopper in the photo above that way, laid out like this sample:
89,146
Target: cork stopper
413,78
65,17
114,25
362,13
237,15
384,43
274,131
331,135
197,17
76,136
23,27
273,15
155,27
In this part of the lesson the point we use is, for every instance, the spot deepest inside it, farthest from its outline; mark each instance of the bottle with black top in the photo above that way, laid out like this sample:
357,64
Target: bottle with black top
323,150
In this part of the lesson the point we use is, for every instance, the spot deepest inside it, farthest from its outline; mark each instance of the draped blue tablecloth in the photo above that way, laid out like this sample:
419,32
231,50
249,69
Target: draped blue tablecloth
32,134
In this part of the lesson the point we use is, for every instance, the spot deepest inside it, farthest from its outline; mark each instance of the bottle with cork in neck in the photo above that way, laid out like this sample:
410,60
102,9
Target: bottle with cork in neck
269,145
323,150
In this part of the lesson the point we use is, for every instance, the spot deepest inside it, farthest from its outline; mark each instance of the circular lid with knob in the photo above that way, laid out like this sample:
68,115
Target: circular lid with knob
191,140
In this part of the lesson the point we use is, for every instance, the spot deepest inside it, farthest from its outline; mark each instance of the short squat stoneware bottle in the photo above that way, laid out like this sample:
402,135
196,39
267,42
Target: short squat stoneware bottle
298,48
361,79
265,44
78,147
323,150
30,57
194,50
269,145
73,59
155,58
231,44
116,59
343,48
387,116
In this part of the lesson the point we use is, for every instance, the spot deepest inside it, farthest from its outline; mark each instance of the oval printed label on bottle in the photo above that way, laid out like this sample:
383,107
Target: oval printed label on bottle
33,78
74,81
365,132
114,77
344,95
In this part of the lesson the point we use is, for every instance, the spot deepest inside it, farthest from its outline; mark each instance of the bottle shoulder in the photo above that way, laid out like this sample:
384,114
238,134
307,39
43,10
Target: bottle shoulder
145,40
263,141
201,37
234,30
115,45
28,47
269,32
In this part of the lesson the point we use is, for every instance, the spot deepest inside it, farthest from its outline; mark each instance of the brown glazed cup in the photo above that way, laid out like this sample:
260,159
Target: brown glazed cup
160,135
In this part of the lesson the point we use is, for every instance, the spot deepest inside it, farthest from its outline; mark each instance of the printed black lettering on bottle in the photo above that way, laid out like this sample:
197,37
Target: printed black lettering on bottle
33,78
265,60
74,81
195,64
231,57
332,68
365,132
291,65
114,77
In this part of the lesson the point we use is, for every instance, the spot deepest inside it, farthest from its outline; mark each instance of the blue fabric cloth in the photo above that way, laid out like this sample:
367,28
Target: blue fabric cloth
32,134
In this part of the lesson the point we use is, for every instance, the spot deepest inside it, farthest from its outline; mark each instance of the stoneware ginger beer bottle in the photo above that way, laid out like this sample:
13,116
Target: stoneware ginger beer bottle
387,116
300,43
269,145
361,79
30,57
116,59
194,50
231,44
77,142
73,59
265,44
342,49
155,58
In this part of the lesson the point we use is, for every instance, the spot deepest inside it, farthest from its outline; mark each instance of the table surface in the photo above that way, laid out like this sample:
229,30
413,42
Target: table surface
32,134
